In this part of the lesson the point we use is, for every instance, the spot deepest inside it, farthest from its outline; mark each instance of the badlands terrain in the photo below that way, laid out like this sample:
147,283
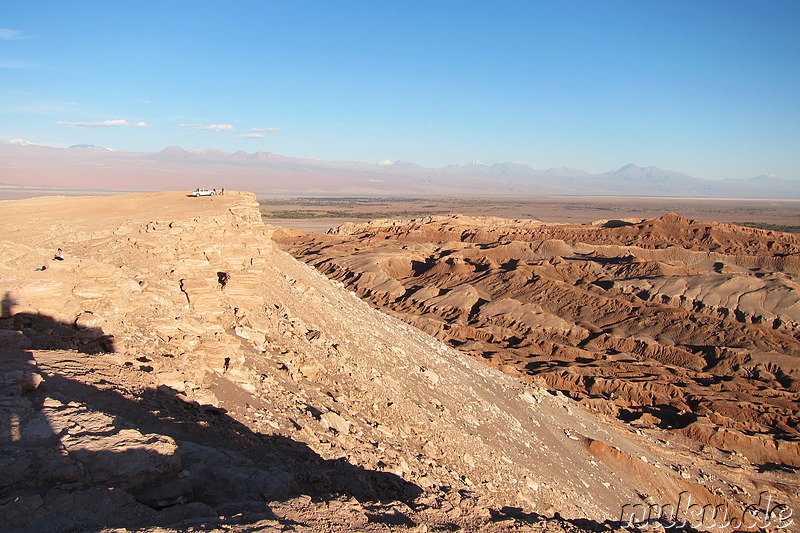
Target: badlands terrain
686,330
178,371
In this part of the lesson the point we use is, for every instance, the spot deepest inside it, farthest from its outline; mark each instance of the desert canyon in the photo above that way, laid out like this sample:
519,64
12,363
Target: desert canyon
180,370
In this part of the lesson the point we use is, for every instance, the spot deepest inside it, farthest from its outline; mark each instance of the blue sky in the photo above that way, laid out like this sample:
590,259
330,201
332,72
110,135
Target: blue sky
706,87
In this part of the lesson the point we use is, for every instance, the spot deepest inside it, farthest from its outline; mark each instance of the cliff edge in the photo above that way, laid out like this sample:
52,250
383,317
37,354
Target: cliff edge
177,368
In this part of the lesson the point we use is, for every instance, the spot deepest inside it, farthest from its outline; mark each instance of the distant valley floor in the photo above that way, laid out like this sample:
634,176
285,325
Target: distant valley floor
318,214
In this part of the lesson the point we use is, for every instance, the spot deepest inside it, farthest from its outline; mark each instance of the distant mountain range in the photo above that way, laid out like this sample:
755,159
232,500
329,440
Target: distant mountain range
24,164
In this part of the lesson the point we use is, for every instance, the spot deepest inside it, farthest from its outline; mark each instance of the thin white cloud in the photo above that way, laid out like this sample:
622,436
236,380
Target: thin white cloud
20,102
211,127
16,63
254,135
265,129
103,124
8,34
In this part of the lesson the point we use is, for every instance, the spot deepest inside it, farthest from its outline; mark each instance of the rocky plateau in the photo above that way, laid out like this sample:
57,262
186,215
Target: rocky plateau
178,371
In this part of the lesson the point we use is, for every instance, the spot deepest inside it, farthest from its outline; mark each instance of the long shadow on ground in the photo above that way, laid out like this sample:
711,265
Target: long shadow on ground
57,473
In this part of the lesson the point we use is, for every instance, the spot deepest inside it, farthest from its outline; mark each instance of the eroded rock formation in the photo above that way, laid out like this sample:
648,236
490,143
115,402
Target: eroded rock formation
177,369
667,323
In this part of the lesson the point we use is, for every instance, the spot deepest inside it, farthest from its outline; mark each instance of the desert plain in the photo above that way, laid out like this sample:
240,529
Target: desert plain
320,213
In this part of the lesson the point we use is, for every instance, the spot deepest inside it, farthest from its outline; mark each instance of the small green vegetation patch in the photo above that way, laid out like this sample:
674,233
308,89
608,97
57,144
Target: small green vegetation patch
772,227
369,215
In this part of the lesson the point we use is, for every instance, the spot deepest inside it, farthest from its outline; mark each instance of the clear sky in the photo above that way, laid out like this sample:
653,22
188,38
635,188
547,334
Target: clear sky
706,87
